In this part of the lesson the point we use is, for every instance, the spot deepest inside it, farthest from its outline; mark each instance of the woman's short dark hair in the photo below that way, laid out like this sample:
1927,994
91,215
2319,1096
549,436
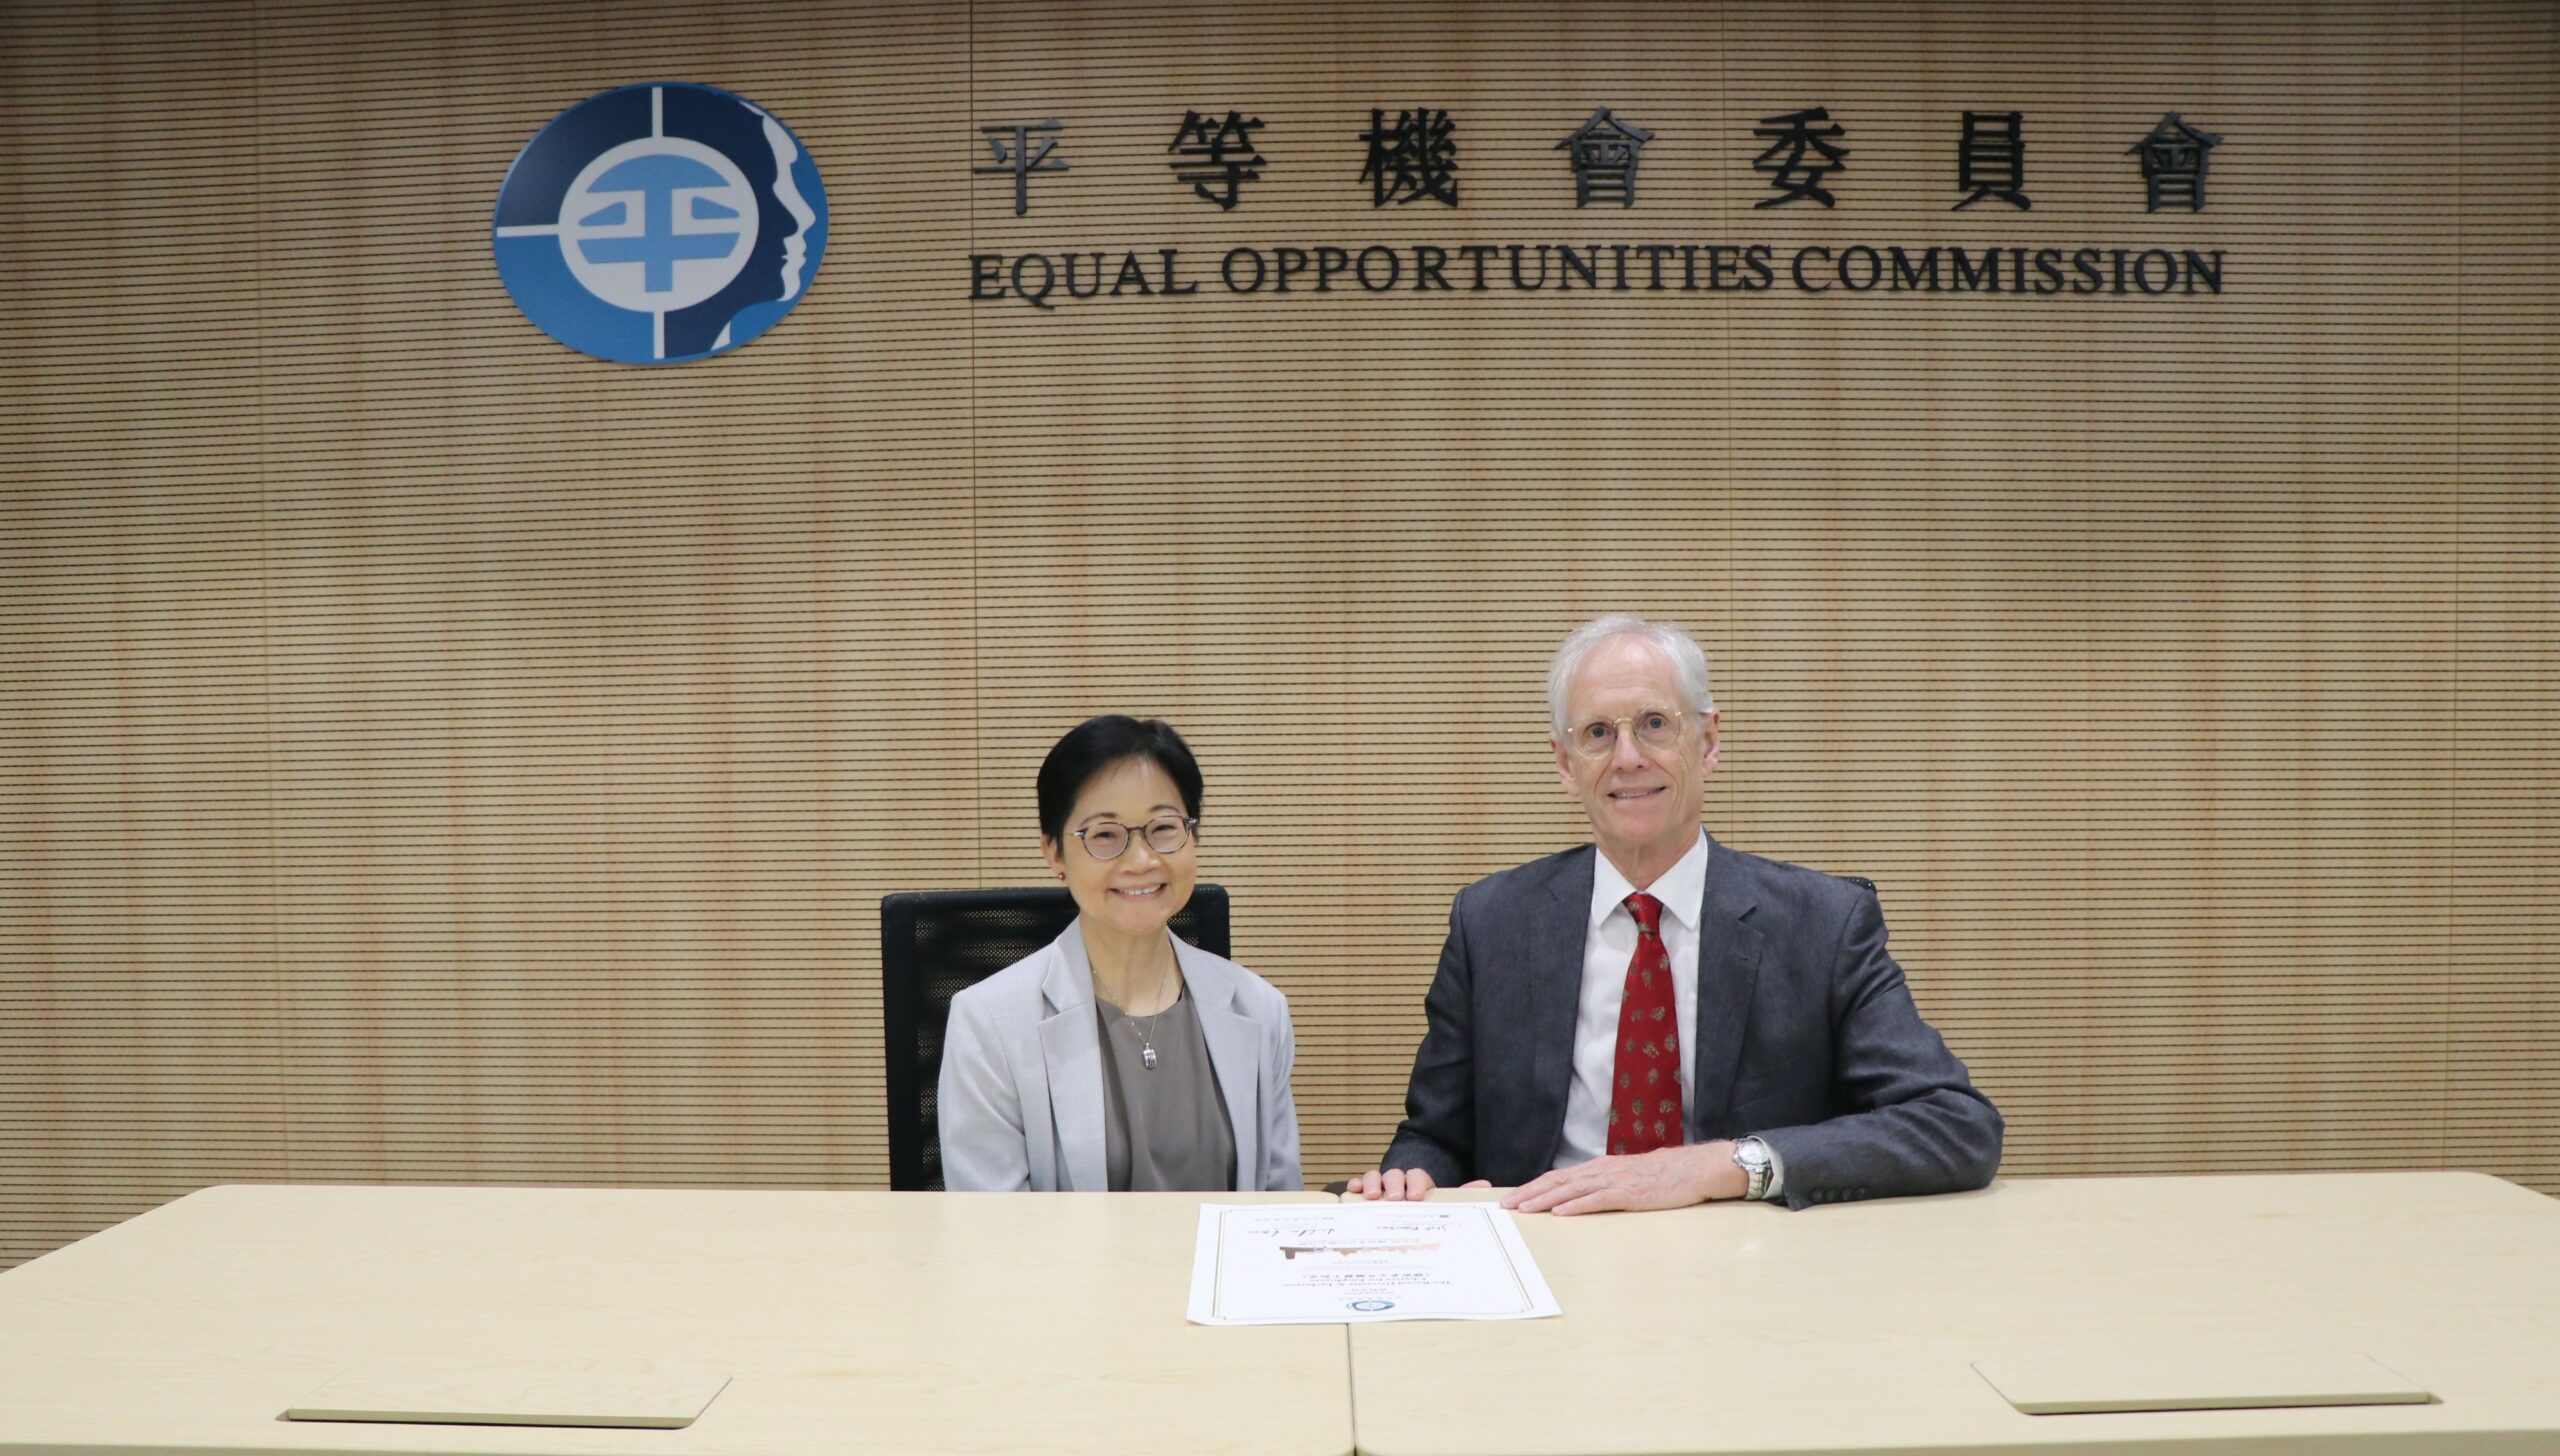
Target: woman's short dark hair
1097,744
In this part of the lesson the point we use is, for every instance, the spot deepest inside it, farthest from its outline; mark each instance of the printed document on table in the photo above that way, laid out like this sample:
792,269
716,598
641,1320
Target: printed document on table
1362,1263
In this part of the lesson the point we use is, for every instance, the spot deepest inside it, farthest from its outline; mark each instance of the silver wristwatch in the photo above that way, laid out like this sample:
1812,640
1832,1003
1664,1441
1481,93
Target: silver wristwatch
1752,1156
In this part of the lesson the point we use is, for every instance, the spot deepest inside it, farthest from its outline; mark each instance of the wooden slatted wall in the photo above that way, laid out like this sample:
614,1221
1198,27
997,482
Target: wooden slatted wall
427,753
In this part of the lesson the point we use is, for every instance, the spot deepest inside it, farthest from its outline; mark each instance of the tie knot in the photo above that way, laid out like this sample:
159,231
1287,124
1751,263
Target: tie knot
1647,911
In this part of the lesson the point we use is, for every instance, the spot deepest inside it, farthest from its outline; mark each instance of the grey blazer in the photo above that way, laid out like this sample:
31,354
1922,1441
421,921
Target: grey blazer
1021,1102
1806,1037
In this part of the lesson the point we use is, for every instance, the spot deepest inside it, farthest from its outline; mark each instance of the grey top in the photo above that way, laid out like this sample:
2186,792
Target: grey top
1165,1127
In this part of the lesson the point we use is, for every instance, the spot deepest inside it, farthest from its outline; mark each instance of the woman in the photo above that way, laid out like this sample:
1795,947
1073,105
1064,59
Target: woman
1120,1057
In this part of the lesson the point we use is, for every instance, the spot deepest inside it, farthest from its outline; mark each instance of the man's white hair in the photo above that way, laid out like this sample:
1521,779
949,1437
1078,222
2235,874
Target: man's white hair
1688,661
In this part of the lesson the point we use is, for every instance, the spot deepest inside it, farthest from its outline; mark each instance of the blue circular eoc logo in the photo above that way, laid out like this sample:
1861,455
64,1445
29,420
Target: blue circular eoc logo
1372,1306
660,223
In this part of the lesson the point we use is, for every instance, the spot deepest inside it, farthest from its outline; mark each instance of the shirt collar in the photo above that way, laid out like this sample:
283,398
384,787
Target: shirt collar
1682,888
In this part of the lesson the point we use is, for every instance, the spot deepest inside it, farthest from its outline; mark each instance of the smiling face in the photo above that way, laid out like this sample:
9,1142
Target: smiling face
1134,895
1646,804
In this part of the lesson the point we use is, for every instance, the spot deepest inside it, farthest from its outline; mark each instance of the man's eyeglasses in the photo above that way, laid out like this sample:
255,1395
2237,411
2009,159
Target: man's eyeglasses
1654,728
1107,840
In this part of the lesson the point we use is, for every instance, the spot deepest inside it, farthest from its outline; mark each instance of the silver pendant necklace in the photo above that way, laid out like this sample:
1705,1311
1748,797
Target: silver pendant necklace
1147,1033
1146,1041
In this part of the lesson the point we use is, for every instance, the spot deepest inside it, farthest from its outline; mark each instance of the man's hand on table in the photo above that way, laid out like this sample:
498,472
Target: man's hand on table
1399,1185
1665,1178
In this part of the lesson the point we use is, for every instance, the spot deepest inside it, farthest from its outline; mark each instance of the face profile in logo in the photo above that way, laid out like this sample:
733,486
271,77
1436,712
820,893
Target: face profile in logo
659,223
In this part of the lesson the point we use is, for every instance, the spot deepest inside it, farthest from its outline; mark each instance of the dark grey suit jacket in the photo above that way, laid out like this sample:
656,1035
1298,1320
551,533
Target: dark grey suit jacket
1806,1037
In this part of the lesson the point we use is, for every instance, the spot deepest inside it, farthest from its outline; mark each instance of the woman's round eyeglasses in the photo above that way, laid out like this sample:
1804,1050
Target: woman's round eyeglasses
1108,840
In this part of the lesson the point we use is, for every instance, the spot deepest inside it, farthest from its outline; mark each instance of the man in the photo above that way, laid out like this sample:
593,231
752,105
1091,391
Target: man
1656,1019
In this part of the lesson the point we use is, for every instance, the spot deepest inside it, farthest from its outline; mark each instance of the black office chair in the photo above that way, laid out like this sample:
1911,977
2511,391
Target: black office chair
935,944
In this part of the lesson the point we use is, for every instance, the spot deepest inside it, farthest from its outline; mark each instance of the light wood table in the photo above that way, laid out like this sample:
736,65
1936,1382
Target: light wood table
848,1321
981,1324
1855,1327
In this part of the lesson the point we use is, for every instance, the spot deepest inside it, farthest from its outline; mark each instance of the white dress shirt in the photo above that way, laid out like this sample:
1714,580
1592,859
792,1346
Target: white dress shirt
1608,944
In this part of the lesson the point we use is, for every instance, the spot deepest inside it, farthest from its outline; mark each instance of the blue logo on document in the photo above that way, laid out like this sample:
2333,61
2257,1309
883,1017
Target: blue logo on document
660,223
1372,1306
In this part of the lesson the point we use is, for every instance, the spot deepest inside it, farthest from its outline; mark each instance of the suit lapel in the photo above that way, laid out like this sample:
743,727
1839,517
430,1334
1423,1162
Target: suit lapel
1555,1000
1235,1054
1728,975
1071,1049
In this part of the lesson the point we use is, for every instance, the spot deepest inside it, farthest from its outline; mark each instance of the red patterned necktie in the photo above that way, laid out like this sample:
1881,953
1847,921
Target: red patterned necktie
1644,1107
